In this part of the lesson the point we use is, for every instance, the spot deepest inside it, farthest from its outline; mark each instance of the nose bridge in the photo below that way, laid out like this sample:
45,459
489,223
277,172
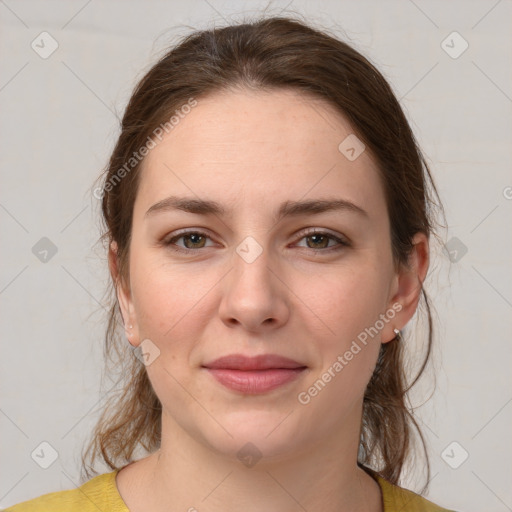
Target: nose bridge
253,296
251,261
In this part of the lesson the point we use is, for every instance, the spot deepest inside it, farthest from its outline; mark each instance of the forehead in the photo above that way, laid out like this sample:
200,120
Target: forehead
249,148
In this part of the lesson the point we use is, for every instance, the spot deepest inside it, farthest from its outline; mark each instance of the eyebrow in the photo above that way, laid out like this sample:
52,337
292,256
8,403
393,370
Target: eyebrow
287,209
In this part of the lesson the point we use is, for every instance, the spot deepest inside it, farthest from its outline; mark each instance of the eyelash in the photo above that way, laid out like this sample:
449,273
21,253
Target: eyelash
342,243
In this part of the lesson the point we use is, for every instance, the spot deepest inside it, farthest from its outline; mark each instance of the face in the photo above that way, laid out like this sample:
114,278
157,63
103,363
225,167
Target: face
236,277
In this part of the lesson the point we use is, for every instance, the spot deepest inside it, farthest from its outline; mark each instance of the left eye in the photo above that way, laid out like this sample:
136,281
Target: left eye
320,240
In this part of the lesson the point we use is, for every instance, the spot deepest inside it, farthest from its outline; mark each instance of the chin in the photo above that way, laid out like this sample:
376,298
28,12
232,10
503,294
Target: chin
257,435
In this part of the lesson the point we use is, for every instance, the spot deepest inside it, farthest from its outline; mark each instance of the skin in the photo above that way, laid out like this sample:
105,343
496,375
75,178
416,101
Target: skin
251,151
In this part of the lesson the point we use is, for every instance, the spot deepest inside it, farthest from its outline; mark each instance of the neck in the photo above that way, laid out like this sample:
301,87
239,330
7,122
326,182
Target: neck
186,475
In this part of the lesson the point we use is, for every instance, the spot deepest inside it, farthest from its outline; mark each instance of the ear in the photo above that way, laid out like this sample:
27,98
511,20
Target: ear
123,296
407,286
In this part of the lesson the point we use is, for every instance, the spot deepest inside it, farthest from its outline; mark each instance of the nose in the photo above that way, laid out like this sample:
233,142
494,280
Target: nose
255,296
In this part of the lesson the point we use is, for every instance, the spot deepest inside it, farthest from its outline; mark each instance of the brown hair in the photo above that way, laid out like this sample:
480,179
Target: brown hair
266,54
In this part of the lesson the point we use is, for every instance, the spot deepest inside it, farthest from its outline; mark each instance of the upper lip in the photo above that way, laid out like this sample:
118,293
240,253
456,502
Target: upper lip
261,362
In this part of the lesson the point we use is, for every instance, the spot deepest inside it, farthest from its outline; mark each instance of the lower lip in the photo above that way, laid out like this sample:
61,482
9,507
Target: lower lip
255,381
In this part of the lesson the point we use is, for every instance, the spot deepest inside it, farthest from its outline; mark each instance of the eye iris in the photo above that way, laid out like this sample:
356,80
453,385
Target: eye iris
316,239
194,237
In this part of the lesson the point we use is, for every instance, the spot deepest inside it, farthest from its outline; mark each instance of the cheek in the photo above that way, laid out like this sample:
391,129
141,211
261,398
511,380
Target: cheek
170,313
345,302
165,299
170,301
347,351
346,306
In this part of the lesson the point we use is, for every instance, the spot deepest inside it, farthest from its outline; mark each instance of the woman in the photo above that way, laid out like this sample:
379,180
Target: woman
268,216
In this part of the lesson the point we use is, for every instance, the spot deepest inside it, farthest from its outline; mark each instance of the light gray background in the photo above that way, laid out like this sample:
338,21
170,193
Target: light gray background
58,126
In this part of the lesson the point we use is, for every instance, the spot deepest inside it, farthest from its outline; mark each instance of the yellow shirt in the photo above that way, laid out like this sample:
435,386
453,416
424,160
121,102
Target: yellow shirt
100,494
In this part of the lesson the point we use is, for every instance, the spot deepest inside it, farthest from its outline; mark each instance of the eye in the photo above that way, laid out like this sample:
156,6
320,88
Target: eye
320,240
192,240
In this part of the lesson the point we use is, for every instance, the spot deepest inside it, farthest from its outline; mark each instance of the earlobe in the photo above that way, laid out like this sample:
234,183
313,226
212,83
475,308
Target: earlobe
409,286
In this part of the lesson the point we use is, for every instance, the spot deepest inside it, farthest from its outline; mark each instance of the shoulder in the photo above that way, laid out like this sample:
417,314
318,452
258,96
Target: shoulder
99,493
399,499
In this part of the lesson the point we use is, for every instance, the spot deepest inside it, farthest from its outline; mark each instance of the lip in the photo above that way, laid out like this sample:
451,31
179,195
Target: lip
254,375
261,362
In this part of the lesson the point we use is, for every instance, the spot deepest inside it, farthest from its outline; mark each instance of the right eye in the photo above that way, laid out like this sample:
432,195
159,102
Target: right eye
193,240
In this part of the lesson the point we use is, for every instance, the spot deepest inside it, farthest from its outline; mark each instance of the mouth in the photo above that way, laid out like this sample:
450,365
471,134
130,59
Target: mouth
254,375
